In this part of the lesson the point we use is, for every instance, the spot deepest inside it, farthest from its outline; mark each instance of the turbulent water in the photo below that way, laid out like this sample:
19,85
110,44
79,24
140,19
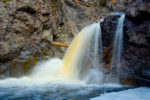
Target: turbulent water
62,79
45,83
36,87
69,79
82,60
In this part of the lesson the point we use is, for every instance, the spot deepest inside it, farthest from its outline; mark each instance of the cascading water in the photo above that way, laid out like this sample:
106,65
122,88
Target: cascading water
80,64
118,45
82,60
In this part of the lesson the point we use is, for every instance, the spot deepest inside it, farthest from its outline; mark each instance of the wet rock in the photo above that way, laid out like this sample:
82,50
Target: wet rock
136,81
137,48
108,28
136,52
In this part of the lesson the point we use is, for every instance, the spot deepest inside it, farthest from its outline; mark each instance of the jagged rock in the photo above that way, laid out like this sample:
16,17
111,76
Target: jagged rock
22,25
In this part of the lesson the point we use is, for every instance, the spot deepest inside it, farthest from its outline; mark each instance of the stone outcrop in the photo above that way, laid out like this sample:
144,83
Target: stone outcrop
27,28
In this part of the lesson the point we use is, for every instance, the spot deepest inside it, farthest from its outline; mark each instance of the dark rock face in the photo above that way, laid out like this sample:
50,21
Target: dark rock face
109,27
136,53
136,46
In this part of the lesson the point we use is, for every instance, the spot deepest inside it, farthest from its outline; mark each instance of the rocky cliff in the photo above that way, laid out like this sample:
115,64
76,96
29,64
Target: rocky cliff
135,68
27,29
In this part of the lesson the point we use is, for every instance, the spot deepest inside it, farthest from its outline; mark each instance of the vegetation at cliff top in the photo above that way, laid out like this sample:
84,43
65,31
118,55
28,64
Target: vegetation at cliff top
6,0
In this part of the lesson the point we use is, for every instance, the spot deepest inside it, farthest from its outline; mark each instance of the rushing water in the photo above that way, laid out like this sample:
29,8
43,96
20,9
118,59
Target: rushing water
21,90
62,79
118,45
69,79
82,60
45,83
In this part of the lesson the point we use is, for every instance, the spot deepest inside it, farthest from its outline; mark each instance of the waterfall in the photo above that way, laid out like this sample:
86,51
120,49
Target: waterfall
118,45
81,62
83,58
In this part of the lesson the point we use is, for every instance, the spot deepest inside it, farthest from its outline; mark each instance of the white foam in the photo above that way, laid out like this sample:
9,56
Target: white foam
142,93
